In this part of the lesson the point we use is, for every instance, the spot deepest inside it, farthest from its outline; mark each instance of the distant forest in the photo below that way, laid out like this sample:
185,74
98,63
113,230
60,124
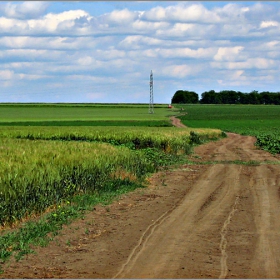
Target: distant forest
226,97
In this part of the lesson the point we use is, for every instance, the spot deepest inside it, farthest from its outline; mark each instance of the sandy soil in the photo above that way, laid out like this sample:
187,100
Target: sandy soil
195,221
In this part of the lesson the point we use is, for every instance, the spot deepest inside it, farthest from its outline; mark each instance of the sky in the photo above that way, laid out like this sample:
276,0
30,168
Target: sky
104,52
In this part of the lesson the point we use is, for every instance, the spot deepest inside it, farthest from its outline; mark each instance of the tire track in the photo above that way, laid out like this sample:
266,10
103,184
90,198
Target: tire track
166,236
142,242
222,223
201,226
137,250
223,244
265,253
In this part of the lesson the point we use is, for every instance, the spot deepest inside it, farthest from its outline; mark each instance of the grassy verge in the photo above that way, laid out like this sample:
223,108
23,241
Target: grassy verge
19,242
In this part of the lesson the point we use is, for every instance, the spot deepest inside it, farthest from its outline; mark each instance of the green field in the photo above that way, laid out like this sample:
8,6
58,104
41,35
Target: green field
58,160
44,165
261,121
83,114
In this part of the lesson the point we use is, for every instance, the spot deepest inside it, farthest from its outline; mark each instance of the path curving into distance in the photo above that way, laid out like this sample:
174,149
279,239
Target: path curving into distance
227,225
214,220
176,122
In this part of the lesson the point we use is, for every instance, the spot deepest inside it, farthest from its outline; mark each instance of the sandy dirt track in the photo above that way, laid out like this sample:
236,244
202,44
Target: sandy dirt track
216,220
176,122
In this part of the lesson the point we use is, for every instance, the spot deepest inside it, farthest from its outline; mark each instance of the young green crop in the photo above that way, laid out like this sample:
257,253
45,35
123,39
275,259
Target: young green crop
80,112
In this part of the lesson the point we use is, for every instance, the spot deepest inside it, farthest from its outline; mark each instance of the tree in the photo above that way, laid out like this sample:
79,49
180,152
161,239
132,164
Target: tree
210,97
184,97
229,97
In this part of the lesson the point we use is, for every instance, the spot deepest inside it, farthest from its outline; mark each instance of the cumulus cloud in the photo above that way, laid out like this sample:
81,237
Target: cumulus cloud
182,12
200,53
6,74
228,53
250,63
265,24
180,71
25,10
186,44
121,17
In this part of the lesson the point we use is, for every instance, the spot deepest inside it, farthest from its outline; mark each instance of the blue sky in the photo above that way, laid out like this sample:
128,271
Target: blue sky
104,51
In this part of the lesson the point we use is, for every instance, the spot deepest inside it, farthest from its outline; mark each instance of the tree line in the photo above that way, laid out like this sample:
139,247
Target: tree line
226,97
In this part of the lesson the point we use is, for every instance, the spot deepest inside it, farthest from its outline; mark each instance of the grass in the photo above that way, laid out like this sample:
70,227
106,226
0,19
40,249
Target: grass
77,113
233,118
40,232
160,123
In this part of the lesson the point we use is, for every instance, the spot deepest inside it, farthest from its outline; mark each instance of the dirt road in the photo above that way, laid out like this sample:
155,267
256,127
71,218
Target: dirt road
215,220
176,122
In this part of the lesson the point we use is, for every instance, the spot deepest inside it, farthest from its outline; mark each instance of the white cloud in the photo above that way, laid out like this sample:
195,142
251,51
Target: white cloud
188,53
86,60
180,71
110,54
250,63
265,24
185,43
10,25
228,53
31,77
121,17
183,13
6,74
51,22
145,26
24,10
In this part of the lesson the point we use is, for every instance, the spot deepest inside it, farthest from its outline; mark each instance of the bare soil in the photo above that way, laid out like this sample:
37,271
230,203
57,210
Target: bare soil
217,220
176,122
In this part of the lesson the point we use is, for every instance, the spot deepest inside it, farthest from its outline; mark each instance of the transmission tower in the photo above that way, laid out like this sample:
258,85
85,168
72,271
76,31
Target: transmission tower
151,107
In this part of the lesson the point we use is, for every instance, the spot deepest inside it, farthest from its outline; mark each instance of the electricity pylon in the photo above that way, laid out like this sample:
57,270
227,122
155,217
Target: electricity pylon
151,107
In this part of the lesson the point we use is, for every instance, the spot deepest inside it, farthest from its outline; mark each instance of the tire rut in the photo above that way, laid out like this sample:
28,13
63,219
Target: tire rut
198,221
208,214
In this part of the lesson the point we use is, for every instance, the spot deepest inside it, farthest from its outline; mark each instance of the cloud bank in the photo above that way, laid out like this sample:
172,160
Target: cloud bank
75,55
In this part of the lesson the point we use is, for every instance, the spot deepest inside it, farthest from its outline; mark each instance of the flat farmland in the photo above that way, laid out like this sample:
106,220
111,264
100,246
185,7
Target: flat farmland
79,114
233,118
206,209
260,121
